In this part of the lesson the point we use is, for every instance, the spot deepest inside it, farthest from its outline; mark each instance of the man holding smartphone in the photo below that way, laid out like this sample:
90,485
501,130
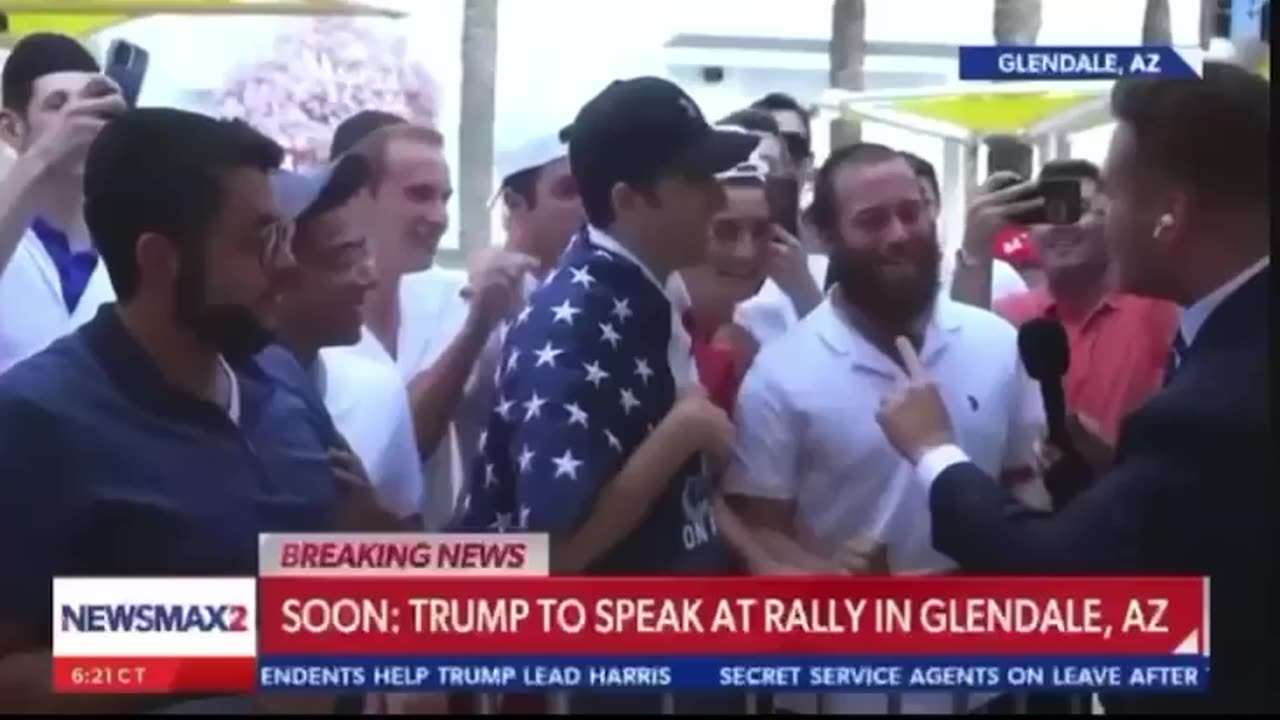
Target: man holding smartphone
55,100
1119,342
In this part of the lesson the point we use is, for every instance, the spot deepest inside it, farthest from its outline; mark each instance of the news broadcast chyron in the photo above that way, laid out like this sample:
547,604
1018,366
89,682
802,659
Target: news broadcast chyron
420,612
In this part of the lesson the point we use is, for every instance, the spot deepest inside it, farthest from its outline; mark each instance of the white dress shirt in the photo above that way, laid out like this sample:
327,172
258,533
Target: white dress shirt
369,406
432,312
32,310
936,460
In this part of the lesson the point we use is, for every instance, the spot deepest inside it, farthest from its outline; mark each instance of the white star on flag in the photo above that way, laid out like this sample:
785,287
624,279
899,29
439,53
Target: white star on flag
547,355
564,312
614,442
512,359
484,436
621,309
629,401
503,522
643,370
577,416
524,315
567,465
490,477
533,406
525,459
581,277
609,335
594,373
504,408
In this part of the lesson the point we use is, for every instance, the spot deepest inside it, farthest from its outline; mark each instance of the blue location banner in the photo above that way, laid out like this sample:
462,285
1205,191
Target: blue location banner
1076,63
1163,674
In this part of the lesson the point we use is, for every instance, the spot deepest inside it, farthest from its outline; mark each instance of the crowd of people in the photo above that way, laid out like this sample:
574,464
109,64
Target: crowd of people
669,365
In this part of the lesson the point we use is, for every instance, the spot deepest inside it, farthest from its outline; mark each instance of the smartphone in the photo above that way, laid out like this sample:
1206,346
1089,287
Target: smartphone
783,195
1063,204
127,66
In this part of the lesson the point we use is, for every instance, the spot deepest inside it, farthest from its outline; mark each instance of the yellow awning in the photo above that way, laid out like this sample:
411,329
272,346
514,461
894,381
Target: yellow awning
85,17
994,113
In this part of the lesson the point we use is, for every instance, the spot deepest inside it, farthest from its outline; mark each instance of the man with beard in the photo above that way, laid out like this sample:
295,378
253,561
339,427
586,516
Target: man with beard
147,442
810,463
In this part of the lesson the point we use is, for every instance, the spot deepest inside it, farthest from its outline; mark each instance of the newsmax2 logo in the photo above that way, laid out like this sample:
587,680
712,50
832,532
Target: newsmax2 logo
154,617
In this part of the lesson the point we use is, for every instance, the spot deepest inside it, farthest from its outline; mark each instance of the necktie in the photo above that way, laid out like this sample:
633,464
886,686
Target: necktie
1177,353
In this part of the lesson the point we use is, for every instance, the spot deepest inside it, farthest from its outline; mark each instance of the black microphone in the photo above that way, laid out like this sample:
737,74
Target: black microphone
1046,355
1042,344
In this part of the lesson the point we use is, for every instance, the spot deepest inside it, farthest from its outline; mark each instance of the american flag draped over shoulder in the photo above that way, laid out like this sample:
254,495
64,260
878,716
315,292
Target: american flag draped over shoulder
582,381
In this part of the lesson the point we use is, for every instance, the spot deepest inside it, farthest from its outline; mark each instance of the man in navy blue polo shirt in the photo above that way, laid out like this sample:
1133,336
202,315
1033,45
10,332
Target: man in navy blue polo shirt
148,442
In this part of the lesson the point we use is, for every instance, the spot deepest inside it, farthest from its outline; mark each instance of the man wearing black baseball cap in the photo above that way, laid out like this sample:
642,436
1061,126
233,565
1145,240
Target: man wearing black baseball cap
588,379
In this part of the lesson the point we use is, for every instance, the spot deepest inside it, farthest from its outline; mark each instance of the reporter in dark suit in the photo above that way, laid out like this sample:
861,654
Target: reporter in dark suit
1189,491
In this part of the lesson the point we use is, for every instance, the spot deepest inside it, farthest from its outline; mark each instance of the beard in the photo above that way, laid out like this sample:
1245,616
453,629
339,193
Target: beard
894,302
231,329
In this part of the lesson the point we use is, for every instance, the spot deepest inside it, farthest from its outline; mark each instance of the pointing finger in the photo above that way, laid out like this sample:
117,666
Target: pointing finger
910,360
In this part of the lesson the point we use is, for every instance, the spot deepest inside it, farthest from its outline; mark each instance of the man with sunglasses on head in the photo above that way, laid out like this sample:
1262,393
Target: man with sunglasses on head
55,100
148,442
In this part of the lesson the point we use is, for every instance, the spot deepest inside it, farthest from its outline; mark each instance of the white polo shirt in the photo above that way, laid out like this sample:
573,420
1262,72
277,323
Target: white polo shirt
432,312
32,311
367,401
807,432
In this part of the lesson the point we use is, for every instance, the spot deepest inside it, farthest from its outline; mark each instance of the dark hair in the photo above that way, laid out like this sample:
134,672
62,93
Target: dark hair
160,170
525,184
358,127
824,211
754,120
782,102
35,56
349,177
1074,169
924,170
1212,133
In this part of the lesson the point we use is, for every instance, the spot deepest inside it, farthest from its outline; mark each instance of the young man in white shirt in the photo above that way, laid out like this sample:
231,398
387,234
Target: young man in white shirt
543,211
810,462
416,317
55,100
319,318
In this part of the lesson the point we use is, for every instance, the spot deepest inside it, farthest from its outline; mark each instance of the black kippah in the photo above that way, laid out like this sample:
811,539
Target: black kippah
37,55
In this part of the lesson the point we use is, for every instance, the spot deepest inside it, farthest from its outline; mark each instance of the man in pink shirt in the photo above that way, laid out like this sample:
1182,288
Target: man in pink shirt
1119,342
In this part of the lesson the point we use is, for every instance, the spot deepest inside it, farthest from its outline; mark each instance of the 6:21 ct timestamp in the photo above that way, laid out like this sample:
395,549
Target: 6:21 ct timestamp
99,677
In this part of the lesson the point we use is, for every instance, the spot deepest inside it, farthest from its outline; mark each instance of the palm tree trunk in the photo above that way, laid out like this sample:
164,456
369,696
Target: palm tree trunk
847,52
1016,22
475,128
1013,22
1156,28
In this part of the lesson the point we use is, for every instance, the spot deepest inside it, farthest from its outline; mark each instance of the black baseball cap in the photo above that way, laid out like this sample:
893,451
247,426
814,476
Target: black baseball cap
358,127
636,130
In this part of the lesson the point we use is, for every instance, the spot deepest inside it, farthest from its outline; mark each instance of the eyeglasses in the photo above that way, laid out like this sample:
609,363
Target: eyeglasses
276,241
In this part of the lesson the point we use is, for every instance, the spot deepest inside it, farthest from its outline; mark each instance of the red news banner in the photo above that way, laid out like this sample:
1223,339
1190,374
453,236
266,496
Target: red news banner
895,616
